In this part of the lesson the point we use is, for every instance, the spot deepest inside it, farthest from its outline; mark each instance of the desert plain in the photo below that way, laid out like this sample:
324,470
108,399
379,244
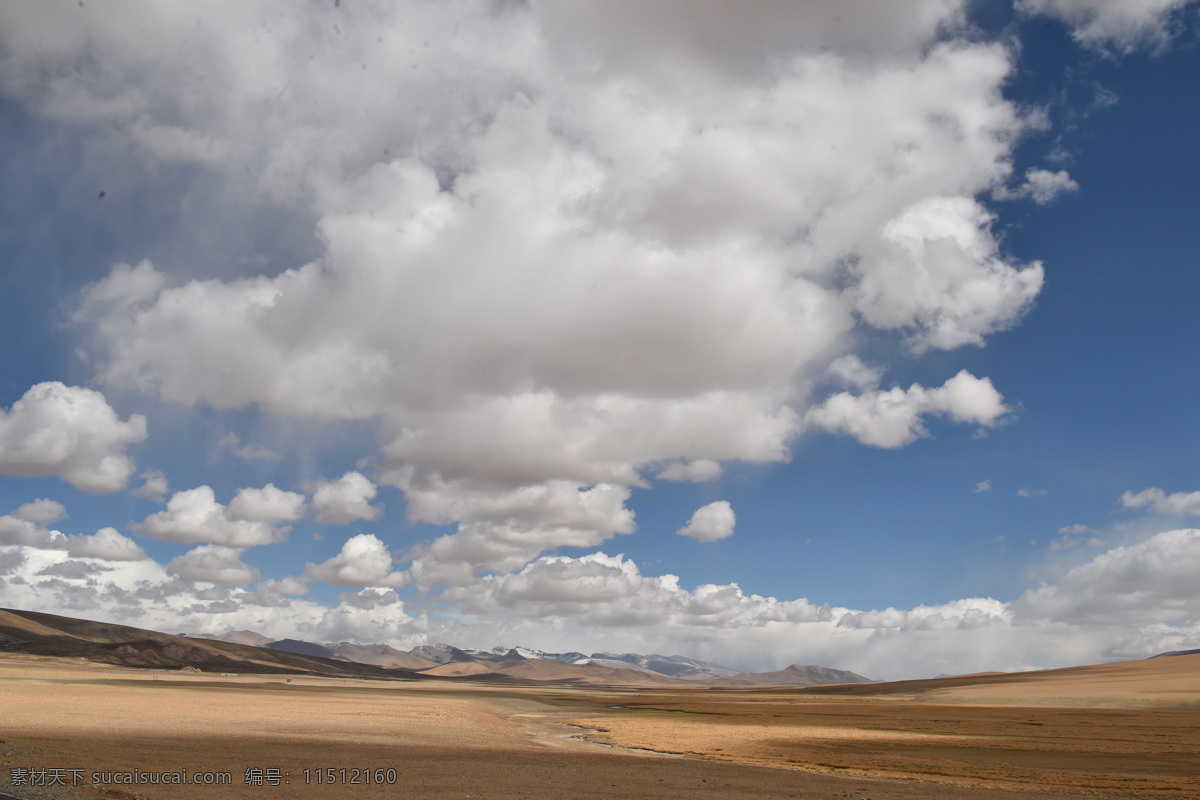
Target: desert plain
1125,730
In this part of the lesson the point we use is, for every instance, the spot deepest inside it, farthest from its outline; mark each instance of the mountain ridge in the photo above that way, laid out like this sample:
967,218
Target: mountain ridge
429,658
39,633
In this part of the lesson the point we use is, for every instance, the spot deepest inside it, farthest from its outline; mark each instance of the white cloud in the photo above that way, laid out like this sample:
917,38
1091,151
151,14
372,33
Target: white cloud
982,486
502,530
938,275
155,487
711,522
1040,185
1031,492
1125,26
17,531
851,371
712,35
363,561
194,516
672,220
272,592
27,527
1141,584
233,443
106,544
69,432
268,504
1043,185
345,500
892,418
214,563
700,470
41,511
1097,611
1181,503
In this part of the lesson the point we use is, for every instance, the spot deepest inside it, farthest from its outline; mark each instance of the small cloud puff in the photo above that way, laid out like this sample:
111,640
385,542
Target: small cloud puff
1180,503
155,487
41,511
346,500
711,522
256,452
363,561
268,504
1041,186
700,470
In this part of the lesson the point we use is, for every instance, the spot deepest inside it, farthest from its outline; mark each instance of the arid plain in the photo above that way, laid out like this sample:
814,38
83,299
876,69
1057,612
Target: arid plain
1118,730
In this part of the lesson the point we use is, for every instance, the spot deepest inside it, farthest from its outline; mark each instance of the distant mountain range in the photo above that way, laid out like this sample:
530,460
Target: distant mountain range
795,675
445,660
250,652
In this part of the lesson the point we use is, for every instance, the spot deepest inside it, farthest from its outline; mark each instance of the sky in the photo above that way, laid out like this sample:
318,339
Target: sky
855,334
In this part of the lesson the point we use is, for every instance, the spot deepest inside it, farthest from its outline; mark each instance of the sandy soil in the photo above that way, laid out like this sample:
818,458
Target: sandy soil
447,740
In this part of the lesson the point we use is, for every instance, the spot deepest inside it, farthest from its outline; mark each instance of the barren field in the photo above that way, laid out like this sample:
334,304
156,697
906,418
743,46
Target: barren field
1112,731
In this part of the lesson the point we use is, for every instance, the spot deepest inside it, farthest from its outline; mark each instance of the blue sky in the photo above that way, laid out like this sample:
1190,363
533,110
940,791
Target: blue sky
792,336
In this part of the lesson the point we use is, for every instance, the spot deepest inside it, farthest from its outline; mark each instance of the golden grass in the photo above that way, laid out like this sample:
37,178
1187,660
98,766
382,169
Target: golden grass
448,739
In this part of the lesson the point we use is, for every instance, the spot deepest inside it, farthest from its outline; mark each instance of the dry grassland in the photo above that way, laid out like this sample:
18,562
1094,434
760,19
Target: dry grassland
447,739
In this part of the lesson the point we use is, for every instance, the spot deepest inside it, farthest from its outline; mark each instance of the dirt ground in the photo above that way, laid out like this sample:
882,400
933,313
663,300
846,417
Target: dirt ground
306,738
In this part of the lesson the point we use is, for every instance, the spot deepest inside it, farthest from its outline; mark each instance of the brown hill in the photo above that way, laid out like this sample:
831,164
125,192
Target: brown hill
237,637
380,655
458,669
1154,682
795,675
51,635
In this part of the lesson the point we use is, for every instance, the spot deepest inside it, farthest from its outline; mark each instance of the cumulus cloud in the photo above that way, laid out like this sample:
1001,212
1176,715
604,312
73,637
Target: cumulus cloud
982,486
501,530
346,500
1140,584
892,418
711,522
155,487
41,511
194,516
17,531
611,591
213,563
938,276
672,218
1043,185
850,370
1123,26
275,593
363,561
26,527
69,432
1097,611
1178,503
106,544
268,504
